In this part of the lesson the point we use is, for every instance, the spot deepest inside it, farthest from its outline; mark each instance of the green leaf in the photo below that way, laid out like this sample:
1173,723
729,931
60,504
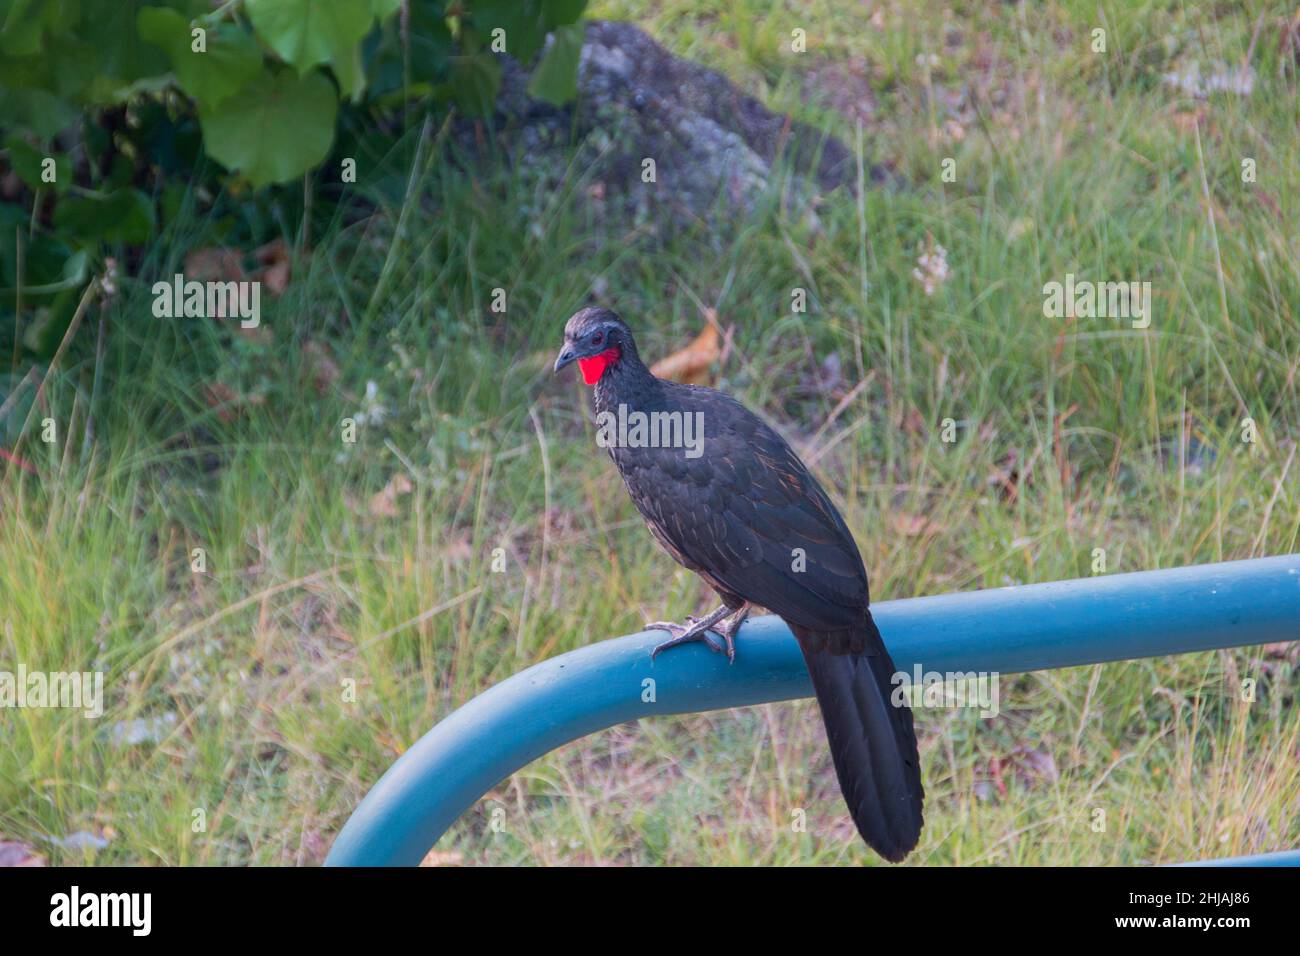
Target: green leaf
430,42
231,58
520,19
43,335
40,111
555,79
27,162
73,64
385,8
39,47
275,129
423,51
558,13
124,215
22,23
44,261
121,57
473,83
310,32
350,72
73,274
121,172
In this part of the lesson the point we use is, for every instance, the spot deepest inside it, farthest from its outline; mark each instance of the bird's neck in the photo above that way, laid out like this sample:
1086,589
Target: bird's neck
626,382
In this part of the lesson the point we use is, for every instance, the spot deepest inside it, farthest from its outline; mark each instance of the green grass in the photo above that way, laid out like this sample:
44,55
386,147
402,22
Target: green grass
1072,162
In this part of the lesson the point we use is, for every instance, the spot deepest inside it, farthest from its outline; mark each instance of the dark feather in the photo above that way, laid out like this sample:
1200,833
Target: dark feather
749,518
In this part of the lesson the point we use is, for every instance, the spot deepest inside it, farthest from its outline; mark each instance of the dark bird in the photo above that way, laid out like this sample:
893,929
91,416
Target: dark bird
744,513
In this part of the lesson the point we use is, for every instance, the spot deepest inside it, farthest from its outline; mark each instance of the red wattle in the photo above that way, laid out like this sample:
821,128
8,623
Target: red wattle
593,367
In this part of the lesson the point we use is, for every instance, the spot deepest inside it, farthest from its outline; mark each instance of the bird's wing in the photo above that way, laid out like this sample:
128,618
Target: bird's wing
750,516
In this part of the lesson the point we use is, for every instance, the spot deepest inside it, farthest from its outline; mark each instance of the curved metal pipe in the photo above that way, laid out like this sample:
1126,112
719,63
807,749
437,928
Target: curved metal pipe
1033,627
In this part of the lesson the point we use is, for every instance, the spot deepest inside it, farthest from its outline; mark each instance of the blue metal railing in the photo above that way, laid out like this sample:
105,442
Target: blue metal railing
1005,630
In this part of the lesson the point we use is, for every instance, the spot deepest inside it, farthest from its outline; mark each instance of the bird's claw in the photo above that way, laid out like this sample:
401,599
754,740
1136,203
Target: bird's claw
683,634
729,637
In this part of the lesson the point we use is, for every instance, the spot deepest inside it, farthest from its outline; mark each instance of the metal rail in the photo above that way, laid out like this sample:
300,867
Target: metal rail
1005,630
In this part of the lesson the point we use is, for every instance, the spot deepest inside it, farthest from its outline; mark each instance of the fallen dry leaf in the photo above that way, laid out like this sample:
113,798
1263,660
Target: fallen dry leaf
383,504
691,364
228,403
215,264
458,550
1007,476
1282,651
914,422
1029,767
914,525
1186,121
323,369
1035,766
274,271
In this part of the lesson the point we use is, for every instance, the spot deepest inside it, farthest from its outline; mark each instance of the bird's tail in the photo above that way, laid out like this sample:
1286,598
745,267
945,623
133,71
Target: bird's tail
872,742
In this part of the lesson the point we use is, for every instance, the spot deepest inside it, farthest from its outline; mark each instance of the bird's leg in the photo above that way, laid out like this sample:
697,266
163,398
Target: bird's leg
729,625
696,631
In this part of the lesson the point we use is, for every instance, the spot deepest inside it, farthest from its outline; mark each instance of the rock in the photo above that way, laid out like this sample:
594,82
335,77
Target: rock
1217,78
142,730
19,854
636,101
81,840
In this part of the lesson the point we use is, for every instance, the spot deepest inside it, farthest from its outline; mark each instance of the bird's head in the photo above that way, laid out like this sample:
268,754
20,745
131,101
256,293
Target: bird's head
597,340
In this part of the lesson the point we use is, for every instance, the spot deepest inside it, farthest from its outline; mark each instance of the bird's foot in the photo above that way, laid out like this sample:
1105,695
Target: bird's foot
723,622
693,630
728,628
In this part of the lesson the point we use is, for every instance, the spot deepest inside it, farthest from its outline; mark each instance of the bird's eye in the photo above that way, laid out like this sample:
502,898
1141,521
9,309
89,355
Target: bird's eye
596,337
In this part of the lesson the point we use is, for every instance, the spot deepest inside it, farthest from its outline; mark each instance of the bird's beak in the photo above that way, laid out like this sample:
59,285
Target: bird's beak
566,357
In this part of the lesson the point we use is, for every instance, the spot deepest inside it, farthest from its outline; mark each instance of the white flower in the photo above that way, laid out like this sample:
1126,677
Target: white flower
373,411
931,268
